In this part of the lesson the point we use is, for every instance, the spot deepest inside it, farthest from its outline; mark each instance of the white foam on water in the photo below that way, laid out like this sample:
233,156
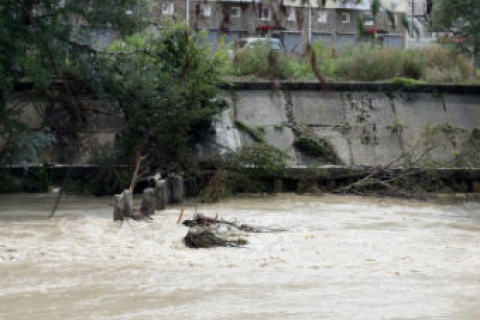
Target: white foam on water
341,258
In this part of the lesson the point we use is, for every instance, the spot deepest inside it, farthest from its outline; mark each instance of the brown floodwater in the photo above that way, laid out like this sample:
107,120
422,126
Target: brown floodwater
341,258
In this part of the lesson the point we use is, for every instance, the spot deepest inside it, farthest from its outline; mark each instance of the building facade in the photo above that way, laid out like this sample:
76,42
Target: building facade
294,22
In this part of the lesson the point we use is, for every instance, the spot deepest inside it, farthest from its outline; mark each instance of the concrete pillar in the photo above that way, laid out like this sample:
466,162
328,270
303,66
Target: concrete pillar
147,207
161,195
177,188
118,207
127,203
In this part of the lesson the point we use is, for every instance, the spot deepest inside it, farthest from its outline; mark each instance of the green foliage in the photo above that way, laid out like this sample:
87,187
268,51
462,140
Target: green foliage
475,134
166,85
318,148
242,171
407,82
255,133
35,181
463,18
108,179
369,64
310,144
8,183
261,62
261,158
378,63
435,64
32,180
47,45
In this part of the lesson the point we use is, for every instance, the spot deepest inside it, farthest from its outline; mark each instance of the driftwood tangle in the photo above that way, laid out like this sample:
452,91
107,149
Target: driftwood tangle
206,232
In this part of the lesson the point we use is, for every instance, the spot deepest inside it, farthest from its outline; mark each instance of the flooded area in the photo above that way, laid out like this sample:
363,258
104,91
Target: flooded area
341,258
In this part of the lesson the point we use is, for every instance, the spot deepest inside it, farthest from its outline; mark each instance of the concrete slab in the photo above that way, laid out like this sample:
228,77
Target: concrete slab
463,111
260,108
339,142
318,108
368,108
282,138
419,110
443,146
374,147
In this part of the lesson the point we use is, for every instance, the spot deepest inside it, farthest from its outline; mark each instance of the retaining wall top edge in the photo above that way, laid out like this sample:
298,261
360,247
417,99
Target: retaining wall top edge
353,86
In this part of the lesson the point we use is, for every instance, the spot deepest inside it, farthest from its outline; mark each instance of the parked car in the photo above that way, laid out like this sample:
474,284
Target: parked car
250,43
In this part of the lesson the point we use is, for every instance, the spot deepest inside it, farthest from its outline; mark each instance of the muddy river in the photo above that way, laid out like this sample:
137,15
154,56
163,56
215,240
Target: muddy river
341,258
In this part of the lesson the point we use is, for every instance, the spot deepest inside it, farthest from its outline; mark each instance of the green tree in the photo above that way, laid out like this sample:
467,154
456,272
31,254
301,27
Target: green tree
166,84
46,44
462,18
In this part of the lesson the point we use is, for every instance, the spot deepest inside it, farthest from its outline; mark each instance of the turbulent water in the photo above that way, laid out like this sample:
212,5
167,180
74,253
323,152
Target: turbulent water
341,258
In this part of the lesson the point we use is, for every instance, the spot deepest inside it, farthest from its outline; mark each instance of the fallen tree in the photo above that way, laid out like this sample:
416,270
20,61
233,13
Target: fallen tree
411,180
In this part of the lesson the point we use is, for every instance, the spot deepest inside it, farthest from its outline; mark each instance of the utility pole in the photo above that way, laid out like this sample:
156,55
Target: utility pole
187,12
309,22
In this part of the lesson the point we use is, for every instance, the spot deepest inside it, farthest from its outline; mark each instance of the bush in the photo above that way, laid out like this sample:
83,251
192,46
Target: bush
109,179
9,184
31,181
442,64
260,61
367,64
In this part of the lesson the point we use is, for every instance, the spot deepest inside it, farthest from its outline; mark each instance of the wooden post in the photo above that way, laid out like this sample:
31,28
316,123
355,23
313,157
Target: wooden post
118,207
278,186
177,188
161,196
147,208
127,203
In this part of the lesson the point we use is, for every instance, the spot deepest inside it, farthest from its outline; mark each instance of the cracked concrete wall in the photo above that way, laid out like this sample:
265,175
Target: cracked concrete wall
365,128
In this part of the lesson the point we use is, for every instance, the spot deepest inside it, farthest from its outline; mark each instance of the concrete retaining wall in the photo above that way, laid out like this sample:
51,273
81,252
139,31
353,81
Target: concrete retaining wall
367,124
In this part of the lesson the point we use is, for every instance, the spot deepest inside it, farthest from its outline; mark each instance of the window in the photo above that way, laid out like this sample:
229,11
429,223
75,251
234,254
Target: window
129,10
206,10
265,13
292,15
345,17
368,20
235,12
168,8
322,16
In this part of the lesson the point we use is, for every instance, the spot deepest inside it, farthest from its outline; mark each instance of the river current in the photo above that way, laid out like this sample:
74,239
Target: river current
341,258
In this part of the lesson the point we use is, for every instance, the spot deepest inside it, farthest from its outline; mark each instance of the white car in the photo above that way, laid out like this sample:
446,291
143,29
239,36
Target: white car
250,43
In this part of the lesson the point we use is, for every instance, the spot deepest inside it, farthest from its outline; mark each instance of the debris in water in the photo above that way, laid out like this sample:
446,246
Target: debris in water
206,232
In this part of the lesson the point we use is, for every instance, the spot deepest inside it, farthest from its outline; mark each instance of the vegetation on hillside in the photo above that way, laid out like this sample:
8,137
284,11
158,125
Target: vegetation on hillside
436,64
